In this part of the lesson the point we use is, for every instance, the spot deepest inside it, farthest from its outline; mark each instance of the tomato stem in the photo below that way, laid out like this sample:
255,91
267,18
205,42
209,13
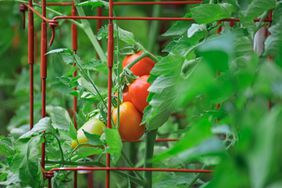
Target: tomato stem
87,29
130,164
59,144
154,29
149,152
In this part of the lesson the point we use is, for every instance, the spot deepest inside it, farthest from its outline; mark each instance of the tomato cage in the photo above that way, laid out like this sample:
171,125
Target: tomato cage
53,23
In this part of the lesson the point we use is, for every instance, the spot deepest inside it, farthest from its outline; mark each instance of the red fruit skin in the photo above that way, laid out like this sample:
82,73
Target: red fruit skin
126,97
130,127
142,67
138,92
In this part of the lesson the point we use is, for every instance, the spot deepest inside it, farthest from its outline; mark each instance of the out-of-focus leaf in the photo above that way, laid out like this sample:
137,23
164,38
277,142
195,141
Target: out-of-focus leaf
6,147
218,51
10,179
122,34
87,85
208,151
60,117
177,28
58,51
178,180
268,80
257,7
38,128
268,133
199,132
273,43
230,179
188,66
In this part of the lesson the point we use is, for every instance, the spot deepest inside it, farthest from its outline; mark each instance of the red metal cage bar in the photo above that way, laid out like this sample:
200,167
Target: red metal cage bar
43,68
135,3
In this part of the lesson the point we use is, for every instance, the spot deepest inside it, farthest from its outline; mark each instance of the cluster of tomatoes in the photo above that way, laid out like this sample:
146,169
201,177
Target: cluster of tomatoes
134,101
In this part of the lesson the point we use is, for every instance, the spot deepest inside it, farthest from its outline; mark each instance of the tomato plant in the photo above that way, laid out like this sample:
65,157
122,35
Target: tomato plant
212,86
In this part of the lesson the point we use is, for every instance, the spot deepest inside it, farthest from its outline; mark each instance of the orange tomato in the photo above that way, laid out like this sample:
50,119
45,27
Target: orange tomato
130,127
142,67
138,92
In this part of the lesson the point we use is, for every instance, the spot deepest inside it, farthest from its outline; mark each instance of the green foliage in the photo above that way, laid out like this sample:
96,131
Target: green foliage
162,89
257,7
210,90
114,144
208,13
94,3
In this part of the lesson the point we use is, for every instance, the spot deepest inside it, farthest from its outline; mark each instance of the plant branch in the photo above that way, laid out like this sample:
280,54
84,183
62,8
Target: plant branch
154,29
59,144
87,29
149,152
131,165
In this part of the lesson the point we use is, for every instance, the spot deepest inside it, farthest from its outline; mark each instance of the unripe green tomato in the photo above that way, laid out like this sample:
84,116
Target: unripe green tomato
92,126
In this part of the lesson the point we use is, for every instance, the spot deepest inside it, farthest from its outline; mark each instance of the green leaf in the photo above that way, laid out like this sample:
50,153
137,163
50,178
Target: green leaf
218,52
268,80
60,117
27,162
177,28
6,147
114,144
208,13
9,179
199,132
196,84
162,91
277,16
72,132
122,35
177,180
195,28
93,139
273,43
268,133
189,65
94,3
257,7
59,51
38,128
86,151
126,36
87,85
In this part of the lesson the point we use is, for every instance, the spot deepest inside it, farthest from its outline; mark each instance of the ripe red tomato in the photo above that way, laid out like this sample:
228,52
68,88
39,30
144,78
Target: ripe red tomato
125,95
138,92
142,67
130,127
